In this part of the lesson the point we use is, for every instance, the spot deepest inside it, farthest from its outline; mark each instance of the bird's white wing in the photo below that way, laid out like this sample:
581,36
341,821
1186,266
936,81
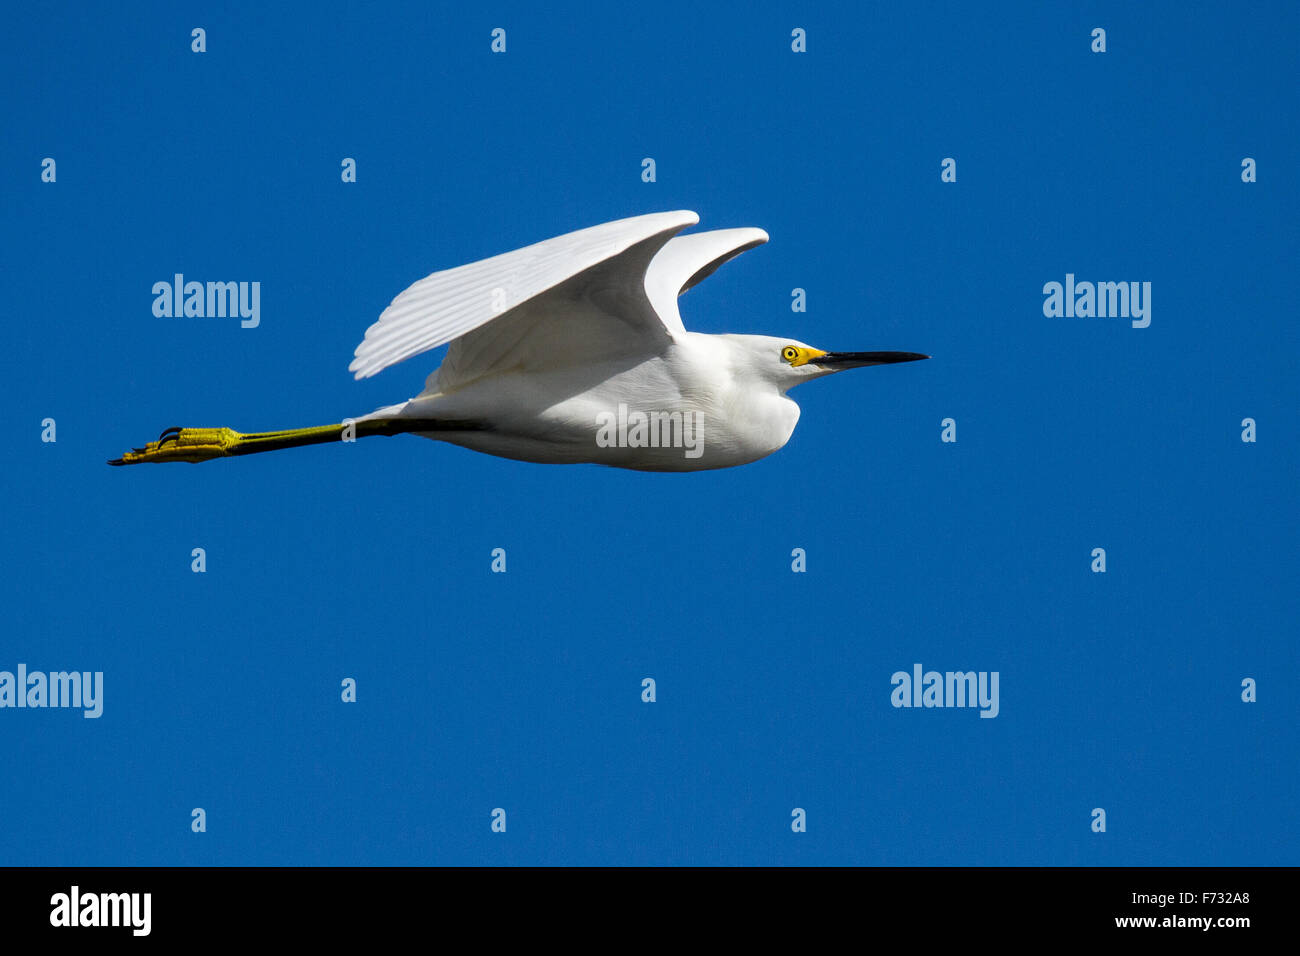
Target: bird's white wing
581,291
685,261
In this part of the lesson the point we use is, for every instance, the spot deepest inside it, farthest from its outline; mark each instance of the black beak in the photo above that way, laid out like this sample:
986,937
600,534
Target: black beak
842,360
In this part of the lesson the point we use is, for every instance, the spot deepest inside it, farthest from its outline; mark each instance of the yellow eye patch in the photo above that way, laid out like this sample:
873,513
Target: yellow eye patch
797,356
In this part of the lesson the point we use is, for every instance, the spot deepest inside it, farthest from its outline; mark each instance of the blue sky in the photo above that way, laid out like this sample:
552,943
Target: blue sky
522,691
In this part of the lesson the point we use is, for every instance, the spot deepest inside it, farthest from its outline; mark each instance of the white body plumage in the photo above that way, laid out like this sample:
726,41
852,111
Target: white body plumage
572,350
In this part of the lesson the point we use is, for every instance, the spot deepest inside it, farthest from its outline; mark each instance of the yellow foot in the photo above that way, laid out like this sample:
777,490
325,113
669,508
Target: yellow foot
184,444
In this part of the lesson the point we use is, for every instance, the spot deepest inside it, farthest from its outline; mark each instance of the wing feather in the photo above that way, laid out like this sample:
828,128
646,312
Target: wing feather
449,304
685,261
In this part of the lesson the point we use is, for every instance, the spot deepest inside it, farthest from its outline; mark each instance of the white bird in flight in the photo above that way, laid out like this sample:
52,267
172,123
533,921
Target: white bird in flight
572,351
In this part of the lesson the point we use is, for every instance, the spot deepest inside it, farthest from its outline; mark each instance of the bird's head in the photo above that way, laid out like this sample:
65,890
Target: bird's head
788,363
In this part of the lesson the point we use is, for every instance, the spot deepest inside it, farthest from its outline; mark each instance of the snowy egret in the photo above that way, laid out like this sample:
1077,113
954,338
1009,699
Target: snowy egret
572,351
